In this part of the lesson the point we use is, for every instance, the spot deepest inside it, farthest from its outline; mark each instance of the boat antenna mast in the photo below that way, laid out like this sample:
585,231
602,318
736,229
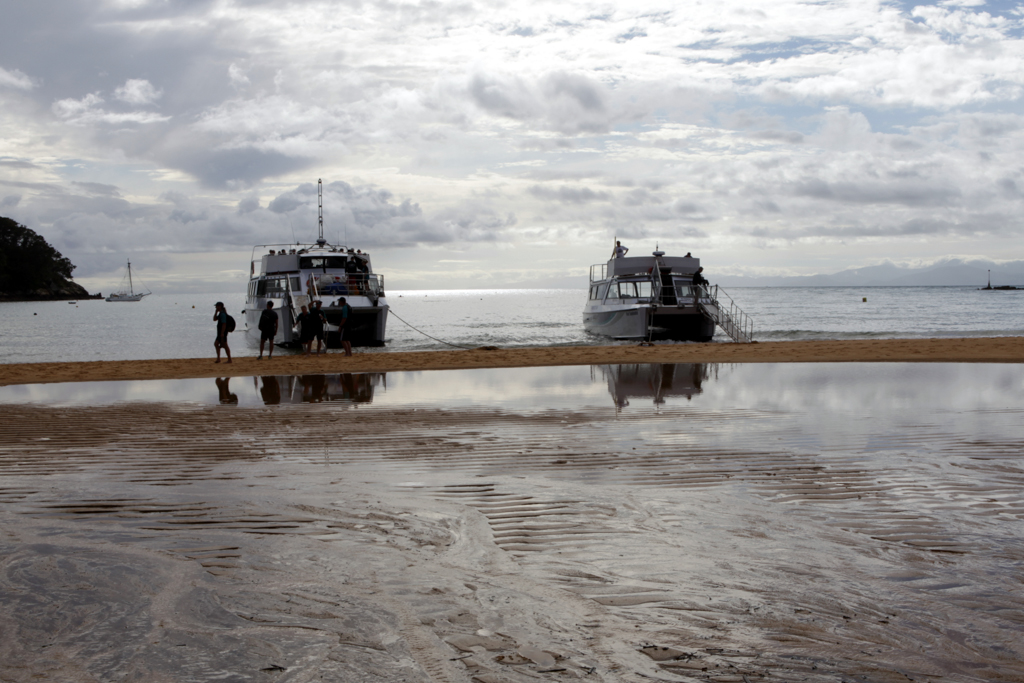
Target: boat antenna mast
131,289
320,206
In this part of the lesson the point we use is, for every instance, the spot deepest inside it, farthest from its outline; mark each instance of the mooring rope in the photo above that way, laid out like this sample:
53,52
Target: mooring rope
391,311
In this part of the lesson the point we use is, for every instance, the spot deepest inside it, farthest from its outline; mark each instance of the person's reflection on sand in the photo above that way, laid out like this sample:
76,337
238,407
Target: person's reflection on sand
314,388
270,391
357,388
224,392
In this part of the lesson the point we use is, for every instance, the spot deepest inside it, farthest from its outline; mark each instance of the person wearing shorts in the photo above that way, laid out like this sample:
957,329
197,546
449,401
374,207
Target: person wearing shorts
268,329
220,315
343,333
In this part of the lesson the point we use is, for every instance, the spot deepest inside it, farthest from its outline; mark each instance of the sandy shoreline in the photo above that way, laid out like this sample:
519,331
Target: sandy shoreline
958,350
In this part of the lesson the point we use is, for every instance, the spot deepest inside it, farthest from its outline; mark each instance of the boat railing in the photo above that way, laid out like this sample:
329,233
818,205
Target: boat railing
598,272
345,284
720,307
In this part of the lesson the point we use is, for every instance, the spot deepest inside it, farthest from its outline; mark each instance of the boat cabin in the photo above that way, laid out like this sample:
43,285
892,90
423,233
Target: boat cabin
667,279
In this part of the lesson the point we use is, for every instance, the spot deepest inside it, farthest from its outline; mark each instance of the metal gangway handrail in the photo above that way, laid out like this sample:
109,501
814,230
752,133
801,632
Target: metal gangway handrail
733,321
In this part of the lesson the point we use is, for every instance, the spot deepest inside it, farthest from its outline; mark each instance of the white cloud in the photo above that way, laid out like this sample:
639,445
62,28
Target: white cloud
87,111
15,79
138,91
741,126
237,76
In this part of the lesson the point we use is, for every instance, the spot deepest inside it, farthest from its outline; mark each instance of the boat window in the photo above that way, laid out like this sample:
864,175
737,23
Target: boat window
644,289
593,292
684,291
602,290
296,284
322,262
627,290
273,288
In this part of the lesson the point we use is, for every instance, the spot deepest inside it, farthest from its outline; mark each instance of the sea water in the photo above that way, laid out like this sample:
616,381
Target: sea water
181,326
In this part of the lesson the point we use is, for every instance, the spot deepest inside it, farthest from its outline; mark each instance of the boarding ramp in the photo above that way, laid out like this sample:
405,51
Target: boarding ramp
720,307
296,300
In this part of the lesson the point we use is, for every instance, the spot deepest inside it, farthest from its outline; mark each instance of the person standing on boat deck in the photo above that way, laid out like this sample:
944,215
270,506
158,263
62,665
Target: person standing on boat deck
342,332
221,342
619,251
268,329
352,272
319,323
698,279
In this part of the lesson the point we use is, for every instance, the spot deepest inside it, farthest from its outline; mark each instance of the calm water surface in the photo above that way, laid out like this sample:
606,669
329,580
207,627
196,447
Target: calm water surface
168,326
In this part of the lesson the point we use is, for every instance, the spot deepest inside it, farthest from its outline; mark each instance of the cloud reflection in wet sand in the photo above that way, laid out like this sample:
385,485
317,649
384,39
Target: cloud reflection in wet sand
691,521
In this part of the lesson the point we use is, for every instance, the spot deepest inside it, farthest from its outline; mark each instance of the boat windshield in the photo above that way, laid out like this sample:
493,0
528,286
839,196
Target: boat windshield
633,290
684,291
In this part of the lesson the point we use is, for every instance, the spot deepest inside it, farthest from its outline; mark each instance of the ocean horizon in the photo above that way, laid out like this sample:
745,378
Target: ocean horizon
181,326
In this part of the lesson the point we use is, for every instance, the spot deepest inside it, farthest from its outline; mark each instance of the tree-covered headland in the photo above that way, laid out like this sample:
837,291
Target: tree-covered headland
31,269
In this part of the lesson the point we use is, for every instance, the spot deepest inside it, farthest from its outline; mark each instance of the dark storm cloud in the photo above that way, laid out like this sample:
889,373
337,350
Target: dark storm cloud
235,168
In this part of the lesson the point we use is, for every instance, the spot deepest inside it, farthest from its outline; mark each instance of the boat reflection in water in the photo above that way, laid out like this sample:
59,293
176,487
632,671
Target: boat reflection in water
346,387
657,381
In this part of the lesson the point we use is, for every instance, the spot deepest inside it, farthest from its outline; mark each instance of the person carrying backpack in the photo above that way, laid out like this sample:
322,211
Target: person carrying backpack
221,316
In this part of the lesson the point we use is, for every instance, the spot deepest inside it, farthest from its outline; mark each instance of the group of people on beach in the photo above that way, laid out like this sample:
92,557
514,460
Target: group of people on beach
311,324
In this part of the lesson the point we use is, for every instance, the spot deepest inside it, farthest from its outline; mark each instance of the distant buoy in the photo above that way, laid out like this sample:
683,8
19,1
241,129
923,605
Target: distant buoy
35,314
193,306
864,299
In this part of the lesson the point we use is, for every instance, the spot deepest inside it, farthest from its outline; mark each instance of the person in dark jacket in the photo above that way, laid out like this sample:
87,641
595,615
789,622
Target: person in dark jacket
220,315
698,279
268,329
343,328
305,324
319,325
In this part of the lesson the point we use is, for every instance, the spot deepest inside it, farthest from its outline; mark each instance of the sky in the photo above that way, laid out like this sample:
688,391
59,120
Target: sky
470,144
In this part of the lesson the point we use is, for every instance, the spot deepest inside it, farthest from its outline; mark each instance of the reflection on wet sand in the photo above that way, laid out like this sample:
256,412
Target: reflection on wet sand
684,540
224,394
656,381
348,387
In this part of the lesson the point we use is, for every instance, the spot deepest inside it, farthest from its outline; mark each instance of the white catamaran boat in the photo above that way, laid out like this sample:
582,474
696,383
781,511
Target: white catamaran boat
127,293
654,298
294,275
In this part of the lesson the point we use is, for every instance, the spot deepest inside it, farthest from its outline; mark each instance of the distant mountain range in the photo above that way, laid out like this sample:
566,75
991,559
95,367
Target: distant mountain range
951,272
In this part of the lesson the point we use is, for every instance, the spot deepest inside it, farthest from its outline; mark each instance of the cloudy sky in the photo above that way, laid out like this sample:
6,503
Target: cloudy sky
473,144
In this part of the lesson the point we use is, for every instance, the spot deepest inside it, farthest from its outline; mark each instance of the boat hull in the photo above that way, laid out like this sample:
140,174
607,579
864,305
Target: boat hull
366,325
114,298
657,323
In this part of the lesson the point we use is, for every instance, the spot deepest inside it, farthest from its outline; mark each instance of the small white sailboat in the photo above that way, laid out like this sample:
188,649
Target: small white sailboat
128,294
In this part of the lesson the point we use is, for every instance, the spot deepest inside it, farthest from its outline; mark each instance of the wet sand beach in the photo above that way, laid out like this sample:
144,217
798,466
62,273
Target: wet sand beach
853,535
962,350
